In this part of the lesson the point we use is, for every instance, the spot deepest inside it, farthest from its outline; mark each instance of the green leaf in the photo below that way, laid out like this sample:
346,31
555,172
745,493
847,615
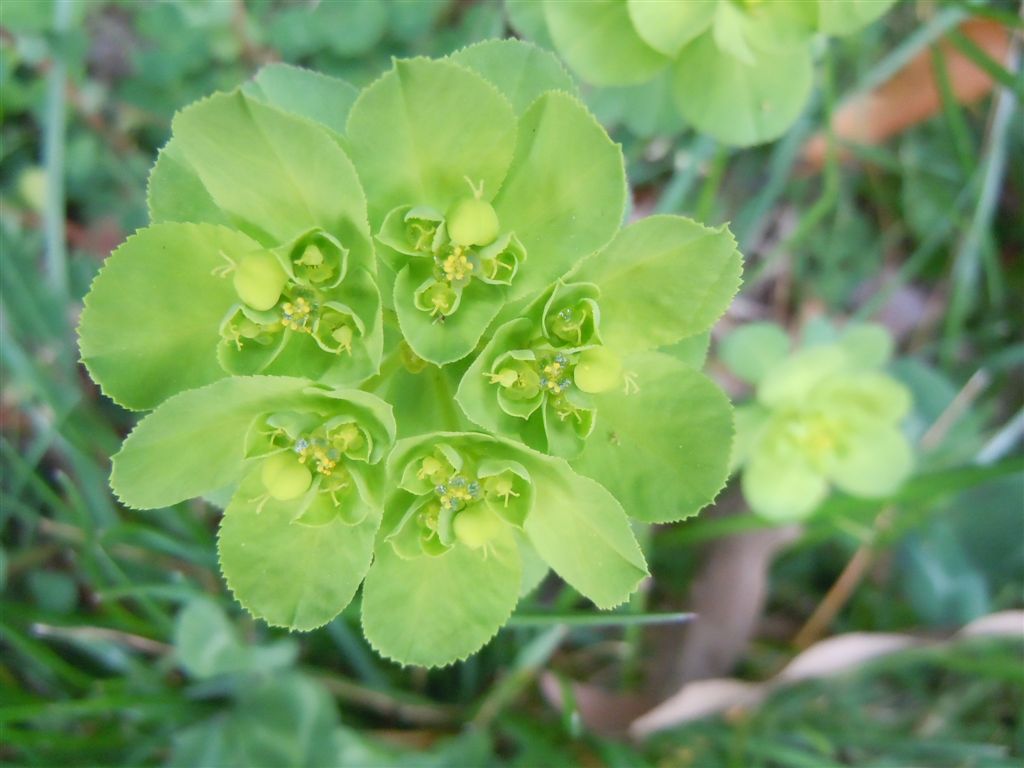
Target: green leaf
752,350
478,397
433,611
205,641
566,190
598,41
867,345
207,644
174,192
526,18
581,531
691,351
663,451
283,720
730,32
793,382
53,591
445,340
353,28
874,460
662,279
521,71
287,573
410,22
424,399
419,131
843,17
647,109
358,294
860,394
303,92
780,484
938,578
779,26
749,419
667,27
275,175
151,322
535,569
194,442
741,103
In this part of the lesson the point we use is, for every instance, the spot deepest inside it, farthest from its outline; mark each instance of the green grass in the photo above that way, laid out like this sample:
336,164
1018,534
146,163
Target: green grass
92,592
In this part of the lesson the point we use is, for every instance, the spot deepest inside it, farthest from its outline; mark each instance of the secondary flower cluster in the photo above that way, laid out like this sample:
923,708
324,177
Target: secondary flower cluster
380,322
738,70
824,415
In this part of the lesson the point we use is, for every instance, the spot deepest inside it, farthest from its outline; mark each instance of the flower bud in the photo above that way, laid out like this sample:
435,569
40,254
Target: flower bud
597,370
472,222
476,526
259,280
284,477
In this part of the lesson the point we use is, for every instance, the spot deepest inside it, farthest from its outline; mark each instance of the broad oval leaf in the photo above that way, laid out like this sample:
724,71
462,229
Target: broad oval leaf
286,573
195,441
663,447
780,484
565,194
419,131
662,279
174,192
754,349
741,103
443,339
843,17
274,174
151,321
433,611
304,92
520,70
667,27
598,41
279,719
582,532
874,462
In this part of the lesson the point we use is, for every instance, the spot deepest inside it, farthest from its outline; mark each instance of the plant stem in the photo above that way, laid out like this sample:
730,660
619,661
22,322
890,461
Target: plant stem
850,577
830,191
967,262
406,707
529,662
598,620
55,259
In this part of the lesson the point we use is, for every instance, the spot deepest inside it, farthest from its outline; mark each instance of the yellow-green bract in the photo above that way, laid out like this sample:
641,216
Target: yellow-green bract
342,316
738,70
825,415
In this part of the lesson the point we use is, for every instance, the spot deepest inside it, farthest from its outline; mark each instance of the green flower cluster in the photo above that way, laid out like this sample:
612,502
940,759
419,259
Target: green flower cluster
738,70
403,334
825,415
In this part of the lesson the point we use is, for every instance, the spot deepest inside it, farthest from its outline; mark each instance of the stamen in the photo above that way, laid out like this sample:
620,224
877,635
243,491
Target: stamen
506,377
457,266
225,269
296,315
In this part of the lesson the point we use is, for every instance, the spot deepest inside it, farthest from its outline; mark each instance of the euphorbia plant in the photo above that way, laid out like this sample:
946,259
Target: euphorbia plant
826,415
381,322
738,70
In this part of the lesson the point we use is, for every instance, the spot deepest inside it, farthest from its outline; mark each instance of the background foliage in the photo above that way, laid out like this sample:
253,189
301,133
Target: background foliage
120,643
